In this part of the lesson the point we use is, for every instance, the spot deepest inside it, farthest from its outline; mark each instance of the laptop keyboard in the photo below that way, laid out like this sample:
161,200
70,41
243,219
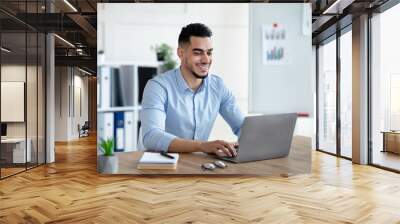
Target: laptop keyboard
237,151
237,154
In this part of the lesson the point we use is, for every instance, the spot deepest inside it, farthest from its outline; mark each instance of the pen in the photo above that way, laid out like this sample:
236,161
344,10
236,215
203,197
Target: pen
167,155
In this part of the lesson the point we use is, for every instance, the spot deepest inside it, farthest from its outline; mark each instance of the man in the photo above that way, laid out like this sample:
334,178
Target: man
179,107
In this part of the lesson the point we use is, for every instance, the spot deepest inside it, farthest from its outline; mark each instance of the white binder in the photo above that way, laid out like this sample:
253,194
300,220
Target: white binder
130,134
119,139
105,94
108,125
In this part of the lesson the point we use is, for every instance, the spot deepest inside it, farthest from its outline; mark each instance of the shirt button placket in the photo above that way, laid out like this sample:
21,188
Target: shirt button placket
194,115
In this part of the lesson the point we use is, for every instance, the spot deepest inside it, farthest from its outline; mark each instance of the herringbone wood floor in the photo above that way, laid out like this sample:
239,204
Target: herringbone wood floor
70,191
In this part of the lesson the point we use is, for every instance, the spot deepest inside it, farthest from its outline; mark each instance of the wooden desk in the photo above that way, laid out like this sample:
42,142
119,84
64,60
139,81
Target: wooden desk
391,141
298,161
13,150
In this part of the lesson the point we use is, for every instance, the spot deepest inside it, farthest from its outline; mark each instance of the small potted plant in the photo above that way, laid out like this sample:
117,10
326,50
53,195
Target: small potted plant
108,162
163,51
164,56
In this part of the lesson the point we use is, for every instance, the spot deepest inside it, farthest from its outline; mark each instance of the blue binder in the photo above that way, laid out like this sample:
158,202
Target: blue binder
119,131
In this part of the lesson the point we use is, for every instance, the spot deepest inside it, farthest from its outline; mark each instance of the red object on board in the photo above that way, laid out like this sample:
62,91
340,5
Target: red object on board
303,114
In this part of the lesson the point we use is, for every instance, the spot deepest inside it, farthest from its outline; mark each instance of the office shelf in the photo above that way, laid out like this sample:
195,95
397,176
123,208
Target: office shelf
116,109
119,86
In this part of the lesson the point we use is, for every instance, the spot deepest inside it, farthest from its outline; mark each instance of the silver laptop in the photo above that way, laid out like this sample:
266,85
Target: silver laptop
265,137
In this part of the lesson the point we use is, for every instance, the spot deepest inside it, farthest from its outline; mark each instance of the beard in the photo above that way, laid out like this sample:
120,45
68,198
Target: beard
198,76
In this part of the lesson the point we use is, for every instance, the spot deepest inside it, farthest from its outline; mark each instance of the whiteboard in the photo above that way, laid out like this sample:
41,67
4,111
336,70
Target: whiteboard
12,101
275,85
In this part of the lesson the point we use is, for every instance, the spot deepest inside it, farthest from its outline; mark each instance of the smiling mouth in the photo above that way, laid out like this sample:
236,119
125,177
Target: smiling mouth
203,67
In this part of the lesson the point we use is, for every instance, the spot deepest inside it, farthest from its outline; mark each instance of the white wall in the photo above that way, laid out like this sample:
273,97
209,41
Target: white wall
80,82
284,85
61,103
68,81
17,73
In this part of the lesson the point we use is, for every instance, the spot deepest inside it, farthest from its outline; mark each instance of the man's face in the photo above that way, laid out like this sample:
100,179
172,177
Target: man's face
196,56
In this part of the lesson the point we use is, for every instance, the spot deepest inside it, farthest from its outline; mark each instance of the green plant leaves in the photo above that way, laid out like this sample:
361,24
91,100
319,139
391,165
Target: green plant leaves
164,53
107,146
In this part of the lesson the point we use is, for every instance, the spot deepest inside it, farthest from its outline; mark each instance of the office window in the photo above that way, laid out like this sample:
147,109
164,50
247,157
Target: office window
327,97
41,98
385,82
13,87
346,94
22,88
31,96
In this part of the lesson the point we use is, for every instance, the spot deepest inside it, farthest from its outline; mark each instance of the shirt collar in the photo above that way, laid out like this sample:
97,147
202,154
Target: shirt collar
183,86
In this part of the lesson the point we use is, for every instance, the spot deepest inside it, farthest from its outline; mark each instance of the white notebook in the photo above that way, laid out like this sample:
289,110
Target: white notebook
157,158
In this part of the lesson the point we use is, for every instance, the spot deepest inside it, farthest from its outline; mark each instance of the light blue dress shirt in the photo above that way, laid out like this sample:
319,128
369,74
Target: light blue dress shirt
170,109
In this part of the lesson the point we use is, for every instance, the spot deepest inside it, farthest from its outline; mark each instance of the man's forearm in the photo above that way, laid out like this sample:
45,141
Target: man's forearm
218,147
184,145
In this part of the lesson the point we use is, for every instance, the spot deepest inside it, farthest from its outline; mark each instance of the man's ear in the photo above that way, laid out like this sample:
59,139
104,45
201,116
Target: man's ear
179,52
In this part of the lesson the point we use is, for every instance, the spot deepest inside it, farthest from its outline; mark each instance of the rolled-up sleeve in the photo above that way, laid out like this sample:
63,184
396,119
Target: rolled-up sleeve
153,117
230,111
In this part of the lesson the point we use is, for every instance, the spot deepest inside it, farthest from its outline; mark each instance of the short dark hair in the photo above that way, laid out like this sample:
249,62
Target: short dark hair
193,29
